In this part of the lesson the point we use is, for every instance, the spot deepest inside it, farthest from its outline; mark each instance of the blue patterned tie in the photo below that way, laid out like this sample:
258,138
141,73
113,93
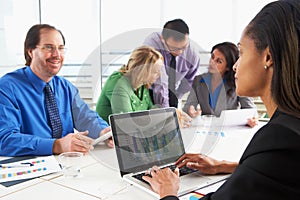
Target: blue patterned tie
53,113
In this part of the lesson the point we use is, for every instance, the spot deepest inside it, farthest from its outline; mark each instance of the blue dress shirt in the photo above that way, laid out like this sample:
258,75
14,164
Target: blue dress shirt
24,129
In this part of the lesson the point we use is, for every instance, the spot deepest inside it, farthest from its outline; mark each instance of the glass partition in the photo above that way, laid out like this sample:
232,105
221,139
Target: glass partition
16,17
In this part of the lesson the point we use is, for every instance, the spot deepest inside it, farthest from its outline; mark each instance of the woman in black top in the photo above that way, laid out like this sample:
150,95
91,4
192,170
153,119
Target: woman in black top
268,67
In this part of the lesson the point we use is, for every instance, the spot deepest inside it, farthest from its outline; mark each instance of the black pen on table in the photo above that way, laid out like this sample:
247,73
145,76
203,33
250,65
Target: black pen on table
15,165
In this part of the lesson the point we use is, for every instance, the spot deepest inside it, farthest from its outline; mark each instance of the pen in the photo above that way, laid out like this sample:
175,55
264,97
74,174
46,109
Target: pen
16,165
198,193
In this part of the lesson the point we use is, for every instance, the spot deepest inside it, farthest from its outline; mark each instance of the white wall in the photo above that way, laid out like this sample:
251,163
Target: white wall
116,25
210,21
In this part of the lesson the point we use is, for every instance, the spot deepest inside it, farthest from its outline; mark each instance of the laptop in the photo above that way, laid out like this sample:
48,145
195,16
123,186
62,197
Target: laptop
147,138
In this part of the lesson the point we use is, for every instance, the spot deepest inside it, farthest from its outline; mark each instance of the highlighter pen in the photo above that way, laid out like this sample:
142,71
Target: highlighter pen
197,196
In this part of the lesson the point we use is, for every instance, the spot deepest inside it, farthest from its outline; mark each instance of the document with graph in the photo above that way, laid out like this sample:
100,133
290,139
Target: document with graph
28,168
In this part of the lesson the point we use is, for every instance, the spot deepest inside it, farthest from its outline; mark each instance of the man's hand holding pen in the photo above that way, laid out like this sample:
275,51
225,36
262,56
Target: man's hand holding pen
78,142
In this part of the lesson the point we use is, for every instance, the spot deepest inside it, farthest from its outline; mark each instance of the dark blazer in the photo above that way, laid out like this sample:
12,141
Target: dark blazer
200,95
270,165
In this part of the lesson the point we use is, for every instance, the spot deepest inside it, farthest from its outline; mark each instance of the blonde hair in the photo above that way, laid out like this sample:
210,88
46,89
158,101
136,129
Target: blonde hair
139,65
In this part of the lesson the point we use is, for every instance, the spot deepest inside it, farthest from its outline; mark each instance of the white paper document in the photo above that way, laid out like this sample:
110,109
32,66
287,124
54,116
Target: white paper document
29,168
236,117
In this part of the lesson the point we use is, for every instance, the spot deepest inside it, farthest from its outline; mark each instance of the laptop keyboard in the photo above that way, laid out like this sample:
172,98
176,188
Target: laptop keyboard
182,171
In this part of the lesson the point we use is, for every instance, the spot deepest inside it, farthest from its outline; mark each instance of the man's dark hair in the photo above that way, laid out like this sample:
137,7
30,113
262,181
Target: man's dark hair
177,29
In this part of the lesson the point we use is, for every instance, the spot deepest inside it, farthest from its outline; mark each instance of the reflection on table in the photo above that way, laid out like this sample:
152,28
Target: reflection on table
100,178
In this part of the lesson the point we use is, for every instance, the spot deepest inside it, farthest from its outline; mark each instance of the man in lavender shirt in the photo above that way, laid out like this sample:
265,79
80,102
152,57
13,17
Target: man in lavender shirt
173,42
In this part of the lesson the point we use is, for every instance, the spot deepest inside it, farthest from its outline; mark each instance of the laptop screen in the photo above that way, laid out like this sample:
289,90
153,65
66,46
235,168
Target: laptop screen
146,138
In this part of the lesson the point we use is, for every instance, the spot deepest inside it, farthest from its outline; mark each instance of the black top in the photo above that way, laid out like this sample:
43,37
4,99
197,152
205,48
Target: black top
269,167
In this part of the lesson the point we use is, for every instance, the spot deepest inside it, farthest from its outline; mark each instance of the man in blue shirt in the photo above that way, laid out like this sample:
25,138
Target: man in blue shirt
173,43
24,122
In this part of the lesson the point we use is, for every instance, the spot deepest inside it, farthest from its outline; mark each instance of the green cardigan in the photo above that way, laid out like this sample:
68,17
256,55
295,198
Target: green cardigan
118,96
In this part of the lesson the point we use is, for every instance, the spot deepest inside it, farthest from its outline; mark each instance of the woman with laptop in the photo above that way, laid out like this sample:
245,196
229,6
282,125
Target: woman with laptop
214,91
127,90
268,67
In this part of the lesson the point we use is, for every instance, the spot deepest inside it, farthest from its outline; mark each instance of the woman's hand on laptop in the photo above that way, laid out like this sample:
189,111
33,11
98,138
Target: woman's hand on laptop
205,164
163,181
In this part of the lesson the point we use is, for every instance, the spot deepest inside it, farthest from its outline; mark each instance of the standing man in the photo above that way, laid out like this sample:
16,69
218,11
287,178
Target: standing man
39,110
180,59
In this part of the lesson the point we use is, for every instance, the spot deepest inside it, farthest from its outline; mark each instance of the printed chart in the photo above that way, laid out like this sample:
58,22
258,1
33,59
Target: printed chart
27,169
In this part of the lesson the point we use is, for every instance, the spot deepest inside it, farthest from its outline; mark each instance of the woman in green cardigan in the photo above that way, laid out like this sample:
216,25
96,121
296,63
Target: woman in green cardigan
127,90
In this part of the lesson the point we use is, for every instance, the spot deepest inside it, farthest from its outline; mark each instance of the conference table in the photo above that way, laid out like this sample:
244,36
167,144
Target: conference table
100,178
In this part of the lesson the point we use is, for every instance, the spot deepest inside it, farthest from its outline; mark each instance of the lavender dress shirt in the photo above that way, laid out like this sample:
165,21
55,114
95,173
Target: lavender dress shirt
186,69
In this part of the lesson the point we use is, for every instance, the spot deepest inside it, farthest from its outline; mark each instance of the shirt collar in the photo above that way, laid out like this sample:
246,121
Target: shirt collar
36,82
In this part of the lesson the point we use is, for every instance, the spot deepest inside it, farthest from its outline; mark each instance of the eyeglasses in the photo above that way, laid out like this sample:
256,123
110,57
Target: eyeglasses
173,49
51,48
